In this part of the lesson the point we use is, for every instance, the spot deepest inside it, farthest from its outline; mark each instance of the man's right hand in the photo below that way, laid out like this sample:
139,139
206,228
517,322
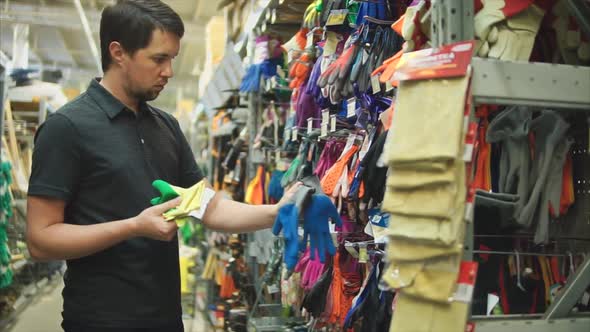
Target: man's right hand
150,222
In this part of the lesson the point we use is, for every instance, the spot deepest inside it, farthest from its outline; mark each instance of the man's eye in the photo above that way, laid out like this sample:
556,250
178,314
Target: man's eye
160,60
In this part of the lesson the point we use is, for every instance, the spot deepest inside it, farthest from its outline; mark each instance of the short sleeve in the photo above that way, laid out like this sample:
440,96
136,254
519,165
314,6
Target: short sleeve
56,159
190,173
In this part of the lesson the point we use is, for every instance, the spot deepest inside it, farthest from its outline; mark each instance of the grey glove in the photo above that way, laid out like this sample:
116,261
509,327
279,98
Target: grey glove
550,130
493,211
301,199
552,191
511,129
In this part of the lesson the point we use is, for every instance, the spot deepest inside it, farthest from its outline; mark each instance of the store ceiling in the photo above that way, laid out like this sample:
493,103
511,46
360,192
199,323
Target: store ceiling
57,40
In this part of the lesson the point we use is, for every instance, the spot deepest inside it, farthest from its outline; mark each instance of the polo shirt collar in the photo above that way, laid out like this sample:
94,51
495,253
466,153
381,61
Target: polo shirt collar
109,103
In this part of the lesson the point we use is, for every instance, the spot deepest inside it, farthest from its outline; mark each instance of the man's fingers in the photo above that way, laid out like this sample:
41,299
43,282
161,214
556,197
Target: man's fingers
160,209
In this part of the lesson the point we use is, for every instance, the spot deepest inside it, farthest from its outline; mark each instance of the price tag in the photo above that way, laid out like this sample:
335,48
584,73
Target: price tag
277,156
470,142
325,117
273,289
388,86
351,108
351,250
375,84
469,205
331,43
466,282
337,17
363,254
281,72
324,130
309,125
294,133
332,123
309,43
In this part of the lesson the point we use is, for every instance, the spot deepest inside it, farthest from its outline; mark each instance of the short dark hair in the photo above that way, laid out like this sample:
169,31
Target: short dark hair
131,23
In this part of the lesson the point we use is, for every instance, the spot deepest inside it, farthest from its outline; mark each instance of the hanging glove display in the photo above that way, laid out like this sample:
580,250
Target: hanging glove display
315,301
316,227
5,215
300,70
573,43
286,222
507,29
192,199
311,17
511,129
336,75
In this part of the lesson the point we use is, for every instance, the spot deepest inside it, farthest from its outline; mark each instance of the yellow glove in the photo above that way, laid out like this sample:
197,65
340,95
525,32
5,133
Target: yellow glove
191,199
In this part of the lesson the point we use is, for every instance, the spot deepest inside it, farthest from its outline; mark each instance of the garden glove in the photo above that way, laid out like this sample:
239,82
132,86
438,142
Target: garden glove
286,222
191,199
511,129
339,70
550,130
494,12
516,37
316,226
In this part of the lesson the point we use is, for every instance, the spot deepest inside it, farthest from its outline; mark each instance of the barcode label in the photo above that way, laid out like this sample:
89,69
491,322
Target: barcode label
388,86
333,123
273,289
324,130
469,209
325,117
375,84
464,293
351,108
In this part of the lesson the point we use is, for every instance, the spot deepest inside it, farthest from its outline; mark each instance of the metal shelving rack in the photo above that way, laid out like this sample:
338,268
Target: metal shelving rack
563,87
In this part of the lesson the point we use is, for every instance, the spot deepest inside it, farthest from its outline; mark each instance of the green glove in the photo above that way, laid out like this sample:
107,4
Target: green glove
191,199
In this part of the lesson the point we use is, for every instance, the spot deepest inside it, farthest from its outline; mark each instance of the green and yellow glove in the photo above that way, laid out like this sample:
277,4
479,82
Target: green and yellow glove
191,199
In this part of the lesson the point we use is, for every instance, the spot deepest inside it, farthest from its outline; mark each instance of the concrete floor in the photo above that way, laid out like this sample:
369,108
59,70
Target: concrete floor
44,314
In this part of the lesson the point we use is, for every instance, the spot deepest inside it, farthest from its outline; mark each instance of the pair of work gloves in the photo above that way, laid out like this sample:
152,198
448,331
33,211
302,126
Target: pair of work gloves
335,78
315,210
194,200
507,29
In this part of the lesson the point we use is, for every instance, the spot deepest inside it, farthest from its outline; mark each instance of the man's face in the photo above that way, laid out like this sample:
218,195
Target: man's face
148,70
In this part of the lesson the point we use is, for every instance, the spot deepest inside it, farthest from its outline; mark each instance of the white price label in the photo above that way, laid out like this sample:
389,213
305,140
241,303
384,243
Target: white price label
388,86
332,123
324,131
281,72
273,289
469,210
309,125
351,108
309,43
294,134
464,293
468,155
375,84
325,117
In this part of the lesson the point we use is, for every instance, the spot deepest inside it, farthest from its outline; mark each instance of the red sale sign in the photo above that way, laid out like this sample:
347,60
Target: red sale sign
446,61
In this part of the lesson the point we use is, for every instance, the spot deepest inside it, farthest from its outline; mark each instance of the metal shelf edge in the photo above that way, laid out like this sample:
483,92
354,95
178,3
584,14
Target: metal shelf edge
533,84
534,325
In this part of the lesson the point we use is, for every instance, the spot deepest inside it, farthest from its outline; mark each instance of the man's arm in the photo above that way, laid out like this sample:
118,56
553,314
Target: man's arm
229,216
49,238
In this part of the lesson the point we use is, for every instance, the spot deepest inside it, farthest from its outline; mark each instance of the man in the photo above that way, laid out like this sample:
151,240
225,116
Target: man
90,187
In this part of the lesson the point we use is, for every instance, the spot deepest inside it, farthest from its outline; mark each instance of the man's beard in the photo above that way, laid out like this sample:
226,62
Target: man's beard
146,95
143,95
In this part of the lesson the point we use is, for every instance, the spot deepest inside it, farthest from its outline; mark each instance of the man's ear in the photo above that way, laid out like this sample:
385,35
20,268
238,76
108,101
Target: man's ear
117,52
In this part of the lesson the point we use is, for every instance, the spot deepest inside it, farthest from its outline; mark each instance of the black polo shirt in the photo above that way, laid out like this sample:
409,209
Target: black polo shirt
101,158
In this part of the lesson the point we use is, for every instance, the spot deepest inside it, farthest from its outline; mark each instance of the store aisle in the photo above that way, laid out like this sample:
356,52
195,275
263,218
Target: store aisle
44,314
